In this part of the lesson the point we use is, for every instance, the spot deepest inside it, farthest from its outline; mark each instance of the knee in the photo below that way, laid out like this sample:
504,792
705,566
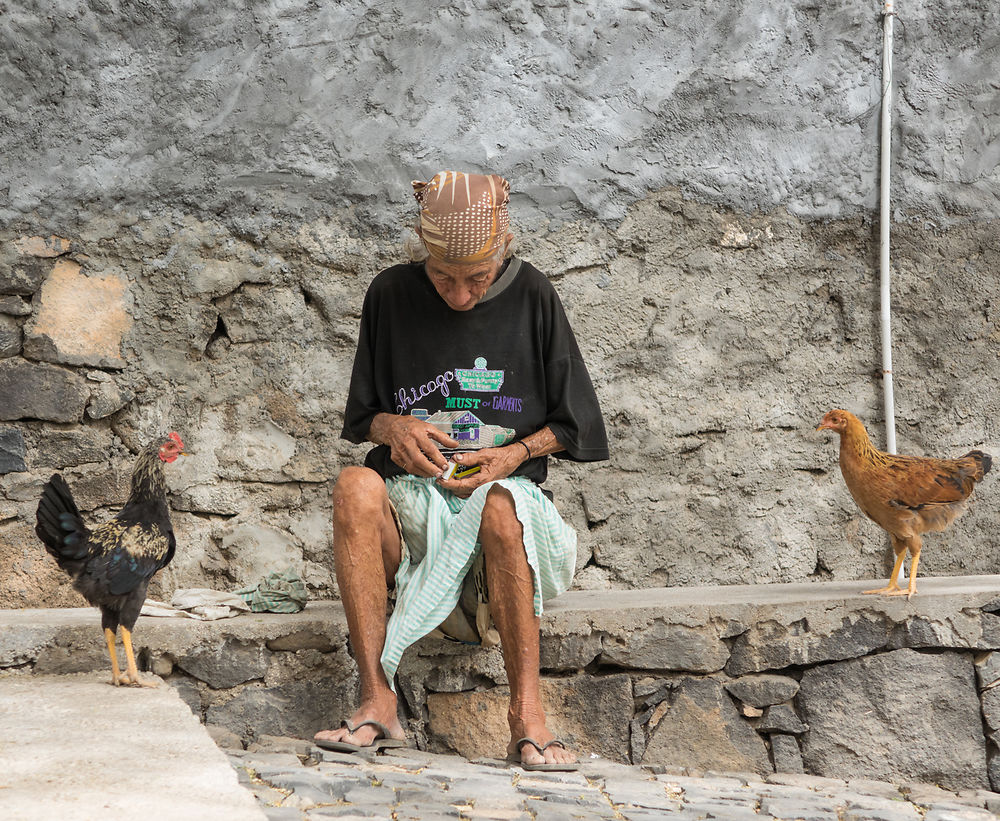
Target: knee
500,516
358,491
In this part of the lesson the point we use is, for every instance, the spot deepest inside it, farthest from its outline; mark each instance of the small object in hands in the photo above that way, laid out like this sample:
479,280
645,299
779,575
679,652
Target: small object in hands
456,471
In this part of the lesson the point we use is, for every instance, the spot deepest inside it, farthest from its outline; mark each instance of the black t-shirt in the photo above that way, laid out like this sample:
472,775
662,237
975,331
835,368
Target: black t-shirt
488,376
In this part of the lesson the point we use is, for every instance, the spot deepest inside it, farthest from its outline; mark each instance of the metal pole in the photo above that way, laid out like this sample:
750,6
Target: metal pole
886,274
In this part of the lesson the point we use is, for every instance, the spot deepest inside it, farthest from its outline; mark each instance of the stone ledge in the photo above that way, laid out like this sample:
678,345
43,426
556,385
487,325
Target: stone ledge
745,678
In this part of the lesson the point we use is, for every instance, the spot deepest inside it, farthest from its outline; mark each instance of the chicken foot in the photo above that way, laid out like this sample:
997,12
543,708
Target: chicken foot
131,676
893,588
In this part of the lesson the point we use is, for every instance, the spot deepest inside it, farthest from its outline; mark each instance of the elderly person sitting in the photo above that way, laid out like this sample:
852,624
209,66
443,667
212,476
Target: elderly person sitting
466,355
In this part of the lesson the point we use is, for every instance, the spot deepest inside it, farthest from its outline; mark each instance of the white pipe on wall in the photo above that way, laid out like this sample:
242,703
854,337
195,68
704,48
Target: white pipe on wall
886,273
884,269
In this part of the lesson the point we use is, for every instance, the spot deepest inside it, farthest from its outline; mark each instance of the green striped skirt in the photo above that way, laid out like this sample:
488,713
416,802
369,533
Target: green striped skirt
440,535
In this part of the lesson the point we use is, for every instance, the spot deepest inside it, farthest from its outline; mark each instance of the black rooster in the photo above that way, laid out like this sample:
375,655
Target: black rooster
111,564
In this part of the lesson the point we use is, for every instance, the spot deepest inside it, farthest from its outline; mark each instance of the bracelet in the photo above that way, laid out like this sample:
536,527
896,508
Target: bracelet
526,448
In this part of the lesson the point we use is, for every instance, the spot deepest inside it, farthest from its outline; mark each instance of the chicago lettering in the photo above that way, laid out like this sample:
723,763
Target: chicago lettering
407,398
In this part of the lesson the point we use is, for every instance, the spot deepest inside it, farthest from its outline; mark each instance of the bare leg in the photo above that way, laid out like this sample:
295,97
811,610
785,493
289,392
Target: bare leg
366,551
512,604
893,588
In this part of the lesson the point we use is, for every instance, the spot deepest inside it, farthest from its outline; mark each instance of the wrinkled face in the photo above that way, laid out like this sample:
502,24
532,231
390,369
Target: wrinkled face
834,420
171,448
462,284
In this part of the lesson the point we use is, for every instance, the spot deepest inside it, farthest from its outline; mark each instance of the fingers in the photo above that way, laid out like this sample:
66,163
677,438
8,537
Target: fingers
413,447
421,459
438,436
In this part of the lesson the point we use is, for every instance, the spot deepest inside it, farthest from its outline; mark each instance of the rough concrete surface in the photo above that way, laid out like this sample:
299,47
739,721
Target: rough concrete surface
697,180
589,105
76,748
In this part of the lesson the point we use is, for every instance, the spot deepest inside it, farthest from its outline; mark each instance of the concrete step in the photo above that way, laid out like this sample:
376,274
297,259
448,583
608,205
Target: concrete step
74,747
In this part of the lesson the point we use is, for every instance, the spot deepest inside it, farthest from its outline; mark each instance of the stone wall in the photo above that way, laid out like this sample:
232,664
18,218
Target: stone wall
814,678
197,199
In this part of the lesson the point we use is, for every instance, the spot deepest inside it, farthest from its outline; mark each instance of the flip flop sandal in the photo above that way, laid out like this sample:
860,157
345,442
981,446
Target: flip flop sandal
382,741
555,767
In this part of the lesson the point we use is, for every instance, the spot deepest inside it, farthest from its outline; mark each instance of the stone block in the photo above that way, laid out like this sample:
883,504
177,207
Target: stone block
256,451
11,451
39,391
588,713
786,753
298,709
990,700
68,448
572,651
702,729
895,714
665,646
988,669
254,550
10,336
252,311
301,640
225,665
81,320
781,718
14,306
46,247
763,690
107,398
773,645
24,276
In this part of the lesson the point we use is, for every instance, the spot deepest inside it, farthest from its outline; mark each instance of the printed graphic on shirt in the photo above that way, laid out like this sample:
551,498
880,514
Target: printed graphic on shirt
477,378
466,428
456,419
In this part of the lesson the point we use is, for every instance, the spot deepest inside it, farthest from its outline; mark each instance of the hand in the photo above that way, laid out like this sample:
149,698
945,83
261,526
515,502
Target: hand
412,443
494,463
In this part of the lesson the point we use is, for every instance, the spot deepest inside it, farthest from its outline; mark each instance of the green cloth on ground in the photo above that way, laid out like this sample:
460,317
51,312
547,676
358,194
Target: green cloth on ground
283,592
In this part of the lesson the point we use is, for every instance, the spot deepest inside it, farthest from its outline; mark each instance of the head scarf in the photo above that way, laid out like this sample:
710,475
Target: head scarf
463,217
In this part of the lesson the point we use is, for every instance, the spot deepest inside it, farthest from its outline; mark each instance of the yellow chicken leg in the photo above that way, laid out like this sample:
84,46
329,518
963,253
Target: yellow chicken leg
914,561
132,676
893,588
116,673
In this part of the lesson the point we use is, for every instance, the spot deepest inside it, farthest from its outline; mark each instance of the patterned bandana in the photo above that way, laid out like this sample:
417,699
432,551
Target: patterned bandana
463,217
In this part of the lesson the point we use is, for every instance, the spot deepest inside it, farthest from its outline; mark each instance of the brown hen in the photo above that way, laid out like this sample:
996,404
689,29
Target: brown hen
904,495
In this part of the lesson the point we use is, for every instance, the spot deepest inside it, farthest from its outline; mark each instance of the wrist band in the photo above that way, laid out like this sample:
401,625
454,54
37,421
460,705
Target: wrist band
526,448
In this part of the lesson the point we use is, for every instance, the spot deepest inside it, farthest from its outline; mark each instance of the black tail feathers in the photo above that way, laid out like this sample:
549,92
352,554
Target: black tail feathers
58,523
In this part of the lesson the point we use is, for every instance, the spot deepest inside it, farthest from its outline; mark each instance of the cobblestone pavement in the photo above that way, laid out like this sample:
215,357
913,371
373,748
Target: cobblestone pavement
296,781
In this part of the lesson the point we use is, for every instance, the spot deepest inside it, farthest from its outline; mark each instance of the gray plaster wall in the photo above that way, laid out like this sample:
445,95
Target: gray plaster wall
698,180
587,106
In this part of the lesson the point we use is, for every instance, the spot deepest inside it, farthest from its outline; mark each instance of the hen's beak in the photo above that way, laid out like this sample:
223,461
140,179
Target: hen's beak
824,426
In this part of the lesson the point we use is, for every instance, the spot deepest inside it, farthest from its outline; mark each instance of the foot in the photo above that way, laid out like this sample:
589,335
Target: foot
382,710
893,590
136,681
528,753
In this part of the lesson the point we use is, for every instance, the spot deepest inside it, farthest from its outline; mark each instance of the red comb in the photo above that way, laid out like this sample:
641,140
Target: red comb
172,435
